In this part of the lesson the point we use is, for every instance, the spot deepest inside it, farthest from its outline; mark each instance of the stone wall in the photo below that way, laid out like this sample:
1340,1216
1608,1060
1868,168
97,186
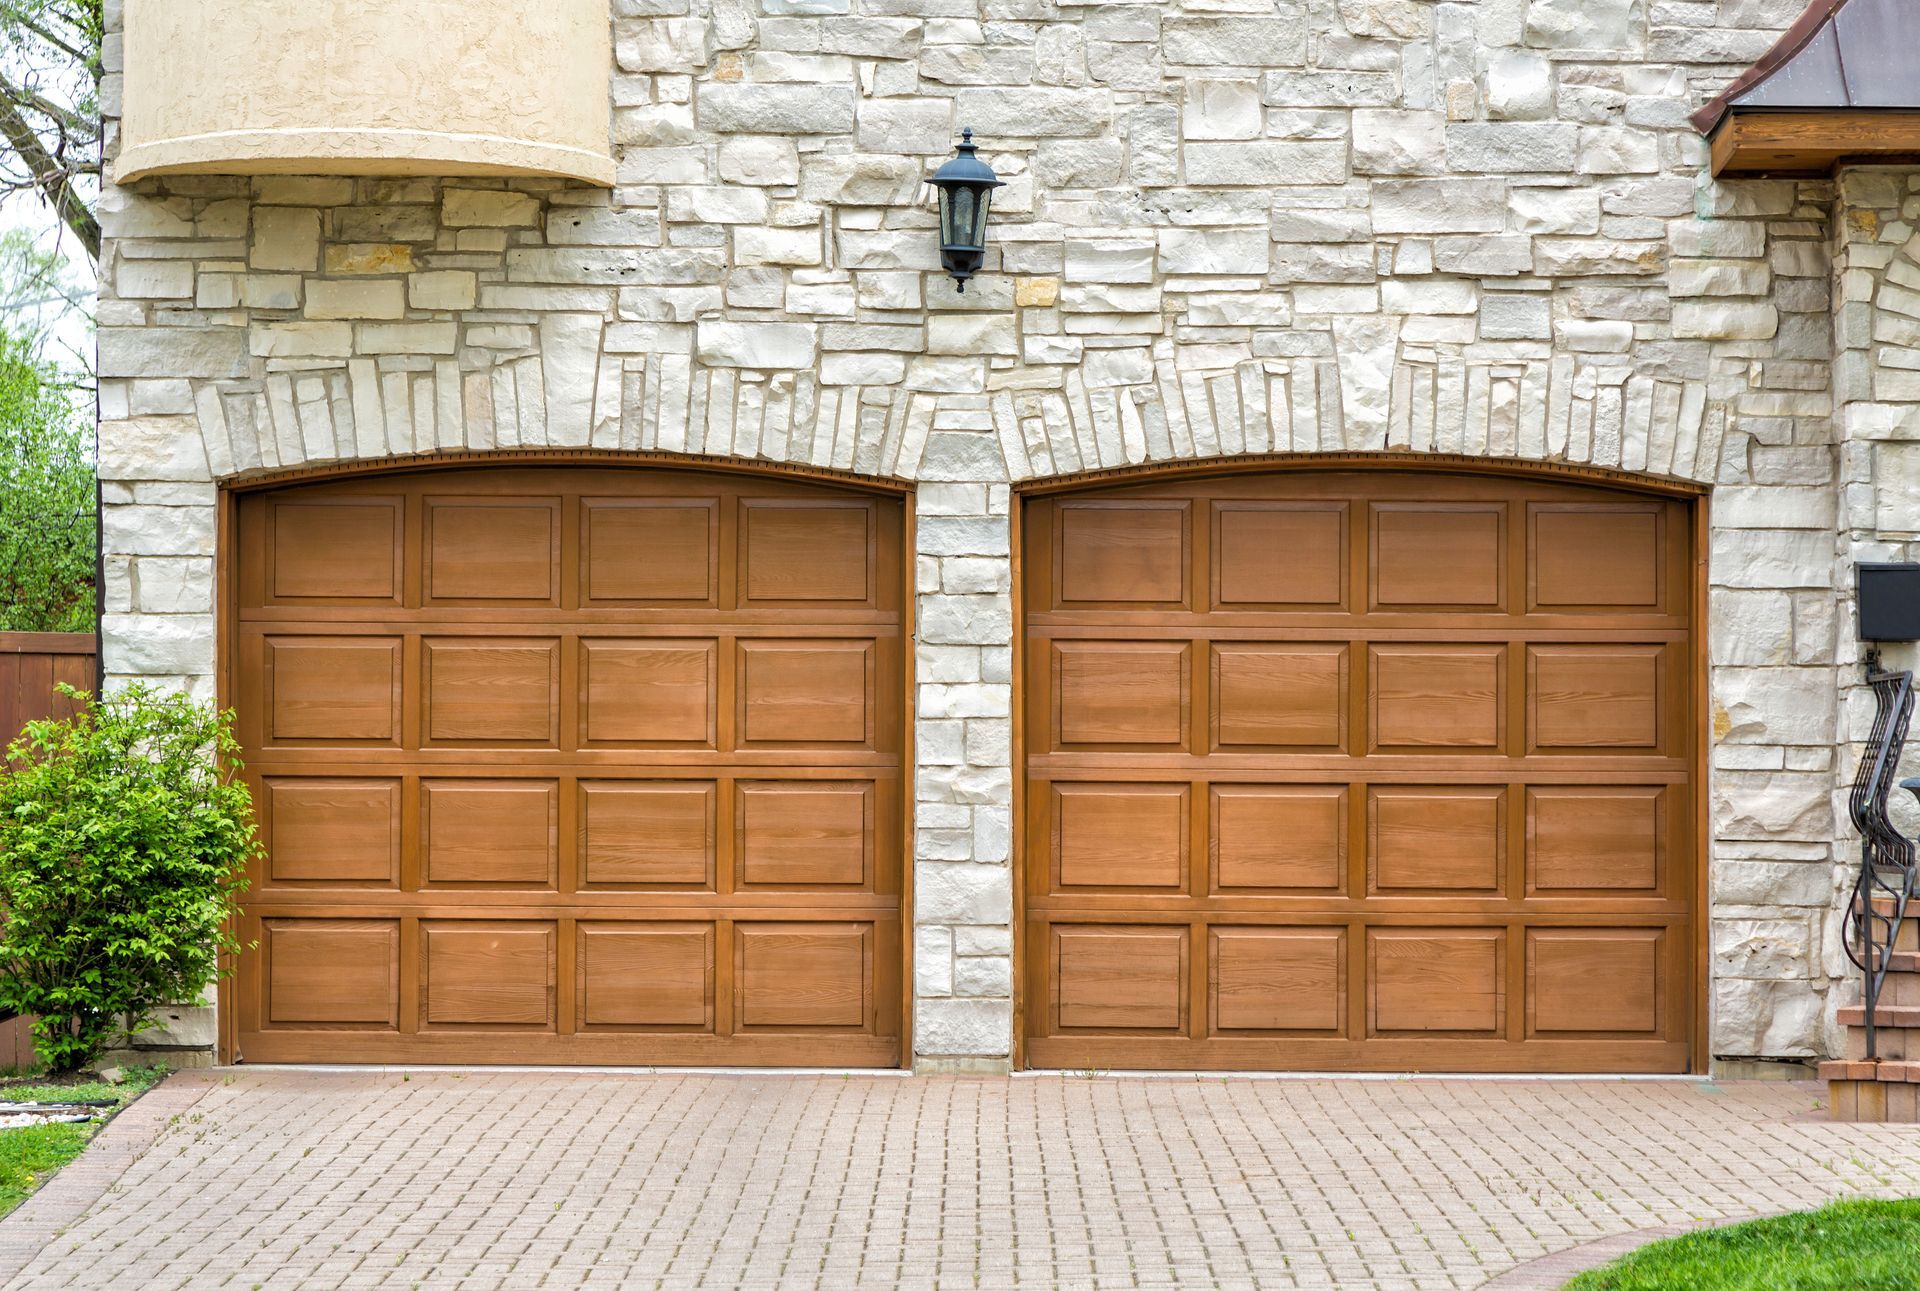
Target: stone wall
1230,226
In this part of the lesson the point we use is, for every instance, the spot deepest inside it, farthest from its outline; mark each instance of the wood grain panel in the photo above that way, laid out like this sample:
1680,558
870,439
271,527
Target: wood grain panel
491,973
813,692
1593,838
1127,979
811,975
1274,696
804,833
344,690
1437,979
492,549
650,551
1393,743
1588,980
1594,697
1596,558
649,692
348,549
1120,835
1440,555
1119,554
807,551
1279,555
331,830
331,973
640,975
492,832
607,759
492,690
1433,838
1438,697
1279,979
1121,693
641,834
1279,837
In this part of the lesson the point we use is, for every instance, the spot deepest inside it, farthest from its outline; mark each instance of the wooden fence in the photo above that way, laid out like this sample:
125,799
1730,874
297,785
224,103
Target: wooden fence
31,665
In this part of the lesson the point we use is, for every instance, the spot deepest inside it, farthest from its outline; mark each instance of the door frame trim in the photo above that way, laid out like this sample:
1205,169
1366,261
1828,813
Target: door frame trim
227,617
1697,495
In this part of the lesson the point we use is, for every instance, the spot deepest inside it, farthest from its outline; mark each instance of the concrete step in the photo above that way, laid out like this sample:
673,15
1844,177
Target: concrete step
1886,1016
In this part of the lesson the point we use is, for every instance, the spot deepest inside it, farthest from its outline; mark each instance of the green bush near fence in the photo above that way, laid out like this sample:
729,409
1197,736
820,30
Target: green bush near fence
124,841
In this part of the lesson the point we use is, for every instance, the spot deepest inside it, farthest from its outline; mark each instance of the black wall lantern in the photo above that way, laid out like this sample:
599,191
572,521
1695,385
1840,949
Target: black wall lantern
966,187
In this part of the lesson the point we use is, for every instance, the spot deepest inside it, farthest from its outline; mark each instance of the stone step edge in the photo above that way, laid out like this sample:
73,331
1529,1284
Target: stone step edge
1885,1071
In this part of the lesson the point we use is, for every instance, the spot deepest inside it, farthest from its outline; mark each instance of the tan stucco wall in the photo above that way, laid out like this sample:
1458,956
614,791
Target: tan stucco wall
372,87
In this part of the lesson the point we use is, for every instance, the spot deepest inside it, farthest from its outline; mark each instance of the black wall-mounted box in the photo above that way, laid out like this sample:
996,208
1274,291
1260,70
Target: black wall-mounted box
1889,601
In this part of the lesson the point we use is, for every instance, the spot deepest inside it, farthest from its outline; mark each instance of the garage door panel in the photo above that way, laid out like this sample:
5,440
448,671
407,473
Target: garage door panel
811,976
805,833
330,973
1596,559
1437,839
1439,556
495,551
1438,698
612,775
1248,536
1584,839
480,973
1121,694
1133,555
1450,980
645,976
340,551
332,691
1111,978
645,553
1408,755
494,833
1279,698
812,552
801,693
647,835
649,692
331,830
492,692
1592,981
1121,836
1590,698
1279,838
1290,981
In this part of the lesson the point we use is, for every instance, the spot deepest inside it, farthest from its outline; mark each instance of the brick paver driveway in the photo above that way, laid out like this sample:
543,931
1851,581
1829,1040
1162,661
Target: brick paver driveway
284,1178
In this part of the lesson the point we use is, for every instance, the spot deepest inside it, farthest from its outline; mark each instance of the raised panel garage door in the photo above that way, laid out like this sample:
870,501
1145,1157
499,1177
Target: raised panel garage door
1359,770
566,765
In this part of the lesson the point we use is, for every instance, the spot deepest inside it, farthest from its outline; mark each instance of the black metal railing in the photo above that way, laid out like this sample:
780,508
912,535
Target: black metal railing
1886,881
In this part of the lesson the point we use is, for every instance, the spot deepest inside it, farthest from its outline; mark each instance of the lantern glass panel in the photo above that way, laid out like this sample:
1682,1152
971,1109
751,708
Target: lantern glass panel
959,230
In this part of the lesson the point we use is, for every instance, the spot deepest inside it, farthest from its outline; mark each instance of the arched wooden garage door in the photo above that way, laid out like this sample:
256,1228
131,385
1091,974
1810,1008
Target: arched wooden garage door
565,765
1365,770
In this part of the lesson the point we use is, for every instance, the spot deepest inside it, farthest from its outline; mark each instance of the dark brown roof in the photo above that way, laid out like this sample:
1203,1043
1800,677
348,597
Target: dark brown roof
1839,54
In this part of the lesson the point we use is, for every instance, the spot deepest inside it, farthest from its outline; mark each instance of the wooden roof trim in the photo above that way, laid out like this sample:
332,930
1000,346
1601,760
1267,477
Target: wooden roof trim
1812,143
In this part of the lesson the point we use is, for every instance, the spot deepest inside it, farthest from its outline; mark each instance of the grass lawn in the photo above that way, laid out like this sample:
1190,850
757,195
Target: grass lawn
28,1156
1848,1246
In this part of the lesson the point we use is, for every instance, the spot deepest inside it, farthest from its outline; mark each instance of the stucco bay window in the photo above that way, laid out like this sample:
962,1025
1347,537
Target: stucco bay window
371,87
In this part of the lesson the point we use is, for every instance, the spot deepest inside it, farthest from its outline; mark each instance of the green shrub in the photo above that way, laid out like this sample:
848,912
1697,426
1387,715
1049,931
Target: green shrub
123,845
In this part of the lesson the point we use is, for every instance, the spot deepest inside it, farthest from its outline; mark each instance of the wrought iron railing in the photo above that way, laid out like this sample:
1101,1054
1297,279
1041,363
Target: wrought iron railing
1886,881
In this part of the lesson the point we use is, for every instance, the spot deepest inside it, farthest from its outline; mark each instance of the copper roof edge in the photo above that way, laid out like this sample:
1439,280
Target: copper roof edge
1794,39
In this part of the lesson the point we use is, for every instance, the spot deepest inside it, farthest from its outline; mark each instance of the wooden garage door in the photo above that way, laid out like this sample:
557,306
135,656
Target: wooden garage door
1358,771
572,766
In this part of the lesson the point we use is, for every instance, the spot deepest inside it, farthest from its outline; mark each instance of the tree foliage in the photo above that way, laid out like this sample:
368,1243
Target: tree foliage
124,843
50,107
47,499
